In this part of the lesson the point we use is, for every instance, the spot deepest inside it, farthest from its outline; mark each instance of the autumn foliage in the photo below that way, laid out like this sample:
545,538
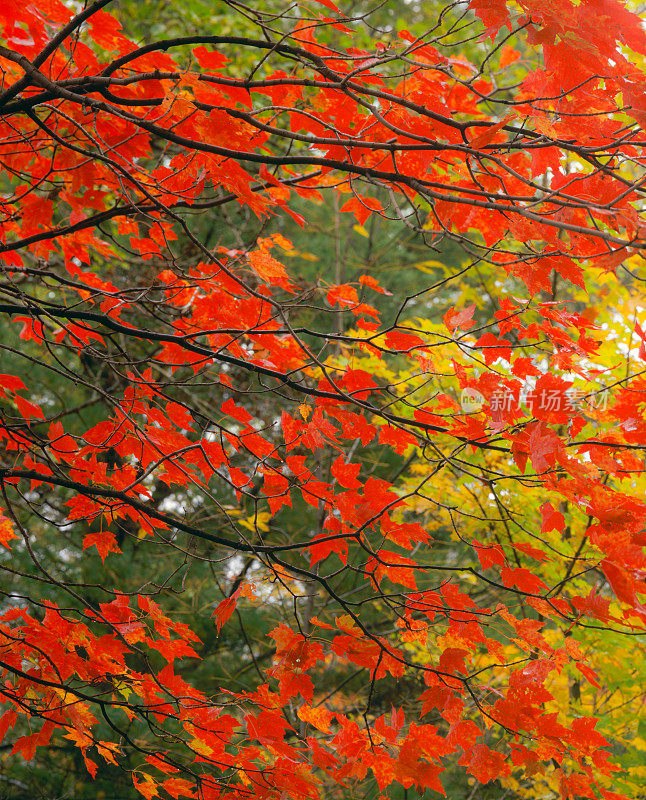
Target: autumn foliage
440,490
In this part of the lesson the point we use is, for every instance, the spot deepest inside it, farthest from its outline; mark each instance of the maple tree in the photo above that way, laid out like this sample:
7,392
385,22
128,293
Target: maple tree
419,499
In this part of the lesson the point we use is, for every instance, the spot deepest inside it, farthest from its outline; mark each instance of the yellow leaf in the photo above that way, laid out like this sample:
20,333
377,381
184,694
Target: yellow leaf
200,747
123,688
429,266
257,521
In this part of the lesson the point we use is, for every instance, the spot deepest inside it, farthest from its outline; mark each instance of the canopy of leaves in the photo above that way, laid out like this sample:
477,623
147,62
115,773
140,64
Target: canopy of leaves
322,400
